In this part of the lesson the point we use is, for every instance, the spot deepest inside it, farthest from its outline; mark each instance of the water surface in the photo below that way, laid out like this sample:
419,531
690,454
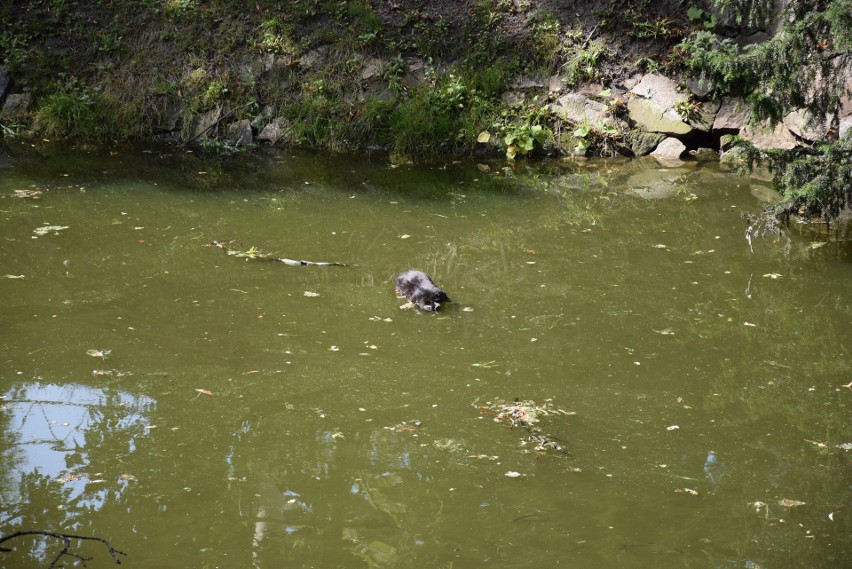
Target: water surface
203,410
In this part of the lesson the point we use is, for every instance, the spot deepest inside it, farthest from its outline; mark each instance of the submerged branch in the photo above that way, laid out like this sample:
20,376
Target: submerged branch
257,255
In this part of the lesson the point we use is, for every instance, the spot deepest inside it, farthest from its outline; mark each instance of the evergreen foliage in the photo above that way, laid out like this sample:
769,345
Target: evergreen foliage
806,64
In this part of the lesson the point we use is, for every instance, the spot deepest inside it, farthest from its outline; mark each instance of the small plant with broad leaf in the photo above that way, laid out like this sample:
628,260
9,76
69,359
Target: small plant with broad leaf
521,139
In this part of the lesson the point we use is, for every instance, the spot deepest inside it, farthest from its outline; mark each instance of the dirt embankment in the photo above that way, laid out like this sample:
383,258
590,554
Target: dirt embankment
411,76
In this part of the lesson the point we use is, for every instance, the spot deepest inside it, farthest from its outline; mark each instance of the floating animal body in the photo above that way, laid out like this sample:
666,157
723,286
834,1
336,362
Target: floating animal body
417,287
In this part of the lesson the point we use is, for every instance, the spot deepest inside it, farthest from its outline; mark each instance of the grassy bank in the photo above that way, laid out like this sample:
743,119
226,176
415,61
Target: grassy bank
413,77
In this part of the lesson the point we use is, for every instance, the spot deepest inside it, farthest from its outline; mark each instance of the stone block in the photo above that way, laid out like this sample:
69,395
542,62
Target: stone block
764,137
274,131
239,133
652,117
16,104
732,114
203,124
669,149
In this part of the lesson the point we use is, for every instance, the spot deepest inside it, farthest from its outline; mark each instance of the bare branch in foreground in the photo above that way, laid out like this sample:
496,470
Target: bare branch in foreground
66,539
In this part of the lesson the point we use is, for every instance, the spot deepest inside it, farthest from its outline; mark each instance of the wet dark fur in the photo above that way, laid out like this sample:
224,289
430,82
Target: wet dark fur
418,288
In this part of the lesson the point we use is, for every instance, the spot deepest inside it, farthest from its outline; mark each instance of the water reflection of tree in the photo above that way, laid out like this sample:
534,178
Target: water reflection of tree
61,457
296,501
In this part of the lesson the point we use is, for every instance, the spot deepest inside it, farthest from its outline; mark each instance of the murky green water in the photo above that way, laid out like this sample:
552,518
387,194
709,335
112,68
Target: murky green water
706,383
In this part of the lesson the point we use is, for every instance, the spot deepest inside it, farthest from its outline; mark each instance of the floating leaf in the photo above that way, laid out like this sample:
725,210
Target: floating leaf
98,353
44,230
448,445
110,373
407,426
204,391
788,503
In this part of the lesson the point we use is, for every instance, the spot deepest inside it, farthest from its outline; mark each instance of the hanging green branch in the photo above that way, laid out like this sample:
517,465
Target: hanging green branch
805,65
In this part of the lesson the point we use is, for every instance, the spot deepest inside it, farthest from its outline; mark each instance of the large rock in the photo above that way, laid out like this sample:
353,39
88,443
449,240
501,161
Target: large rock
16,104
670,149
643,143
652,105
662,90
314,59
804,125
578,109
732,114
372,70
239,133
274,131
704,116
765,138
699,87
202,124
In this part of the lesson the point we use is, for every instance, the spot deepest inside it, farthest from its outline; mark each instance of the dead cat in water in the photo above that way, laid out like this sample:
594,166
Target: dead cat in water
417,287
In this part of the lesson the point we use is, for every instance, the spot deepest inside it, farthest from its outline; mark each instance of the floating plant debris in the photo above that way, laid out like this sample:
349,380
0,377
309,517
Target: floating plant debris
526,415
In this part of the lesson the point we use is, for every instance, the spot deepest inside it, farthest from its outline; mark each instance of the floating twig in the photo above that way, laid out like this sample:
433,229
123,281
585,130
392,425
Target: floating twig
254,254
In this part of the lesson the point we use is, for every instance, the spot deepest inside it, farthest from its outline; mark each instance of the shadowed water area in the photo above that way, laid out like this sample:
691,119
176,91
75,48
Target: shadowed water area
201,409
